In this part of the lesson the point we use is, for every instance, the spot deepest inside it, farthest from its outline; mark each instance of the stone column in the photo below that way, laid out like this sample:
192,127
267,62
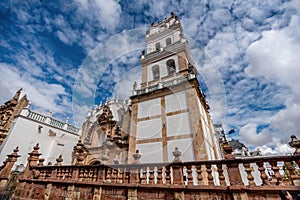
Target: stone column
236,183
134,172
177,169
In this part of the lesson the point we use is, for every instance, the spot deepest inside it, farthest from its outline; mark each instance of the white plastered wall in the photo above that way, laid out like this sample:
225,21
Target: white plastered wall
151,152
149,129
24,134
176,102
149,108
186,147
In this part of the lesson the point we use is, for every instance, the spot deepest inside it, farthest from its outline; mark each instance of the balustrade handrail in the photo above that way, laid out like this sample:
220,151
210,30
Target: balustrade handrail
212,162
229,172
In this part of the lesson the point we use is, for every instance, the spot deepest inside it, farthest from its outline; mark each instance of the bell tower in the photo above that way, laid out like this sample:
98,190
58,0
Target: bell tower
170,110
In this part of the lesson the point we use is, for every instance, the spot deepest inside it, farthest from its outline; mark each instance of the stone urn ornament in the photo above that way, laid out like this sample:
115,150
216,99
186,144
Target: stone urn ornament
295,143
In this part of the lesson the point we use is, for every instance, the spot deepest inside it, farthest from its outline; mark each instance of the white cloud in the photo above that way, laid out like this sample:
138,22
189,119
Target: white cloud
278,149
106,12
277,57
250,137
42,95
112,51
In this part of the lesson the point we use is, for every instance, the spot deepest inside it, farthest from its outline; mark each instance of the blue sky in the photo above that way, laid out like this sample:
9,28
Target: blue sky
69,55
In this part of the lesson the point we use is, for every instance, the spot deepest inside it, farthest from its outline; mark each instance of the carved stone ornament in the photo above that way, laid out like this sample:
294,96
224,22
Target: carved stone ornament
176,153
295,143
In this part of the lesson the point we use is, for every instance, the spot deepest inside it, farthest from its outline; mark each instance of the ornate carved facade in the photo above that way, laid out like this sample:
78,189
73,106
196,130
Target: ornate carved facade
8,111
105,133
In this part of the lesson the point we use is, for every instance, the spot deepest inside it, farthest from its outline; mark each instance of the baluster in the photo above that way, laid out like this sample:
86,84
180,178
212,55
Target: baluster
151,176
41,175
67,173
278,176
189,175
95,172
184,175
248,170
91,173
63,171
101,174
45,173
199,175
70,173
171,175
120,176
291,171
108,175
114,176
155,174
209,174
221,174
163,175
126,176
168,175
58,174
86,174
159,175
143,176
48,173
263,174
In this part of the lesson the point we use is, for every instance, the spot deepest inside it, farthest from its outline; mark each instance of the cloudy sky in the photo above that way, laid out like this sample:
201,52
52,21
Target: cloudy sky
70,55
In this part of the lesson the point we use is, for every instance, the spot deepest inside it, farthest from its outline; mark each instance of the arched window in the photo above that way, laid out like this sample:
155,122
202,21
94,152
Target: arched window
168,41
157,46
155,72
171,66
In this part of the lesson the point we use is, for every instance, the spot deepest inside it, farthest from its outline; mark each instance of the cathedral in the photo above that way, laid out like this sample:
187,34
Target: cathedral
159,144
167,111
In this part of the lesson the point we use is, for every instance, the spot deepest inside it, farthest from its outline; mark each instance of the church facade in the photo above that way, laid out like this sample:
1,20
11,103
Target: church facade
168,110
23,127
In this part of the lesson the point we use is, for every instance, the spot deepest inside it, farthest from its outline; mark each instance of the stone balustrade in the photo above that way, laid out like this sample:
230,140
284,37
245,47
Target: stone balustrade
231,178
261,171
49,120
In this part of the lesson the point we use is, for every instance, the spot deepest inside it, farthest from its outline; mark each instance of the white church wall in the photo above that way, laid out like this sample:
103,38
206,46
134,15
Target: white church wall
149,108
176,101
149,129
208,136
178,124
26,135
186,148
151,152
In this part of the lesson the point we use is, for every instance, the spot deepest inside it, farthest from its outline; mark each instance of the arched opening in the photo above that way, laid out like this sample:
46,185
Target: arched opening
157,46
168,41
155,72
95,162
171,66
